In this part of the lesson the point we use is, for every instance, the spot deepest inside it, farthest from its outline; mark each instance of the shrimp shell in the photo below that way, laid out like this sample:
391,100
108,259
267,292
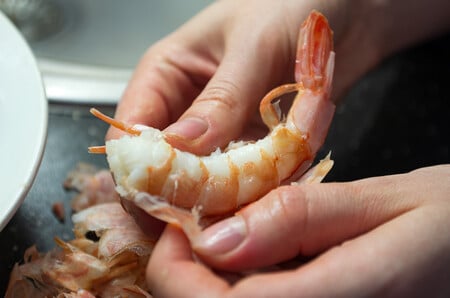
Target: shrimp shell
111,265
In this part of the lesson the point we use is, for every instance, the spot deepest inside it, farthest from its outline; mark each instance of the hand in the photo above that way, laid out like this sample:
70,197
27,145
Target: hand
382,236
218,65
215,68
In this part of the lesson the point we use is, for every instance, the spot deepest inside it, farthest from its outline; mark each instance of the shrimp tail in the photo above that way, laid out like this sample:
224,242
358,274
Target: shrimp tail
315,57
314,67
312,110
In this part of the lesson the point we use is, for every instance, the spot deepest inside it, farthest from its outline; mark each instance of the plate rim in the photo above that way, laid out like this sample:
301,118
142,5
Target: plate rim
8,211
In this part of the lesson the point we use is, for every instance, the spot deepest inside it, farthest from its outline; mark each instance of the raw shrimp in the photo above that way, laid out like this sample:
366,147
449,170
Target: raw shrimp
147,168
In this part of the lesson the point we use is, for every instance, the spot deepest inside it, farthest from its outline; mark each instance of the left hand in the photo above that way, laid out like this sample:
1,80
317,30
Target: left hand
381,236
219,65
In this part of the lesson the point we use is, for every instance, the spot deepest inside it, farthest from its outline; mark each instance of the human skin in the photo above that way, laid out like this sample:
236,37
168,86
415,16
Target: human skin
219,65
378,236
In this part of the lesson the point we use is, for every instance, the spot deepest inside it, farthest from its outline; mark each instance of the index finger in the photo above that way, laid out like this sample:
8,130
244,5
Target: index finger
166,80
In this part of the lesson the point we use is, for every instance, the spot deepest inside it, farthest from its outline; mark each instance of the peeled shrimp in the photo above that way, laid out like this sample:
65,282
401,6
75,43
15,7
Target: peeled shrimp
151,173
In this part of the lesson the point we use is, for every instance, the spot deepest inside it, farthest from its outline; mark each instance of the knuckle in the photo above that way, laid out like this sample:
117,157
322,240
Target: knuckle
292,207
222,94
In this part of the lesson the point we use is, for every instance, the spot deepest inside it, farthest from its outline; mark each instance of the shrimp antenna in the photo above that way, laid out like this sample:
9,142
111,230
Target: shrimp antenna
115,123
97,149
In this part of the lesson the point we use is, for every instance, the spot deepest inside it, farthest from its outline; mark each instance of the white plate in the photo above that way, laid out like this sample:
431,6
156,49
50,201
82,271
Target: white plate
23,119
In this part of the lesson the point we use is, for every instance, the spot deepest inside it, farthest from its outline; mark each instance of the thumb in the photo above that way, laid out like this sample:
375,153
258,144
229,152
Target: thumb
218,115
298,219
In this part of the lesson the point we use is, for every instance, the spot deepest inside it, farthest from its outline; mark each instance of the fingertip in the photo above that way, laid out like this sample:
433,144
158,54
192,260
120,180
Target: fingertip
221,238
203,130
189,128
186,135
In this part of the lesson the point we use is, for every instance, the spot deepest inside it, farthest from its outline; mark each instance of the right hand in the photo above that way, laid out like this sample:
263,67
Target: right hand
381,236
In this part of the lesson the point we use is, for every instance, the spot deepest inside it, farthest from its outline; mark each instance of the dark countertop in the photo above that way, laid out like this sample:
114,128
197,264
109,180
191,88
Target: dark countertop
394,120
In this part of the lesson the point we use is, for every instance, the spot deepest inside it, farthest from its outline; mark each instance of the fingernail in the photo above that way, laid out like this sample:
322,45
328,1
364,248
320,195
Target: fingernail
189,128
222,237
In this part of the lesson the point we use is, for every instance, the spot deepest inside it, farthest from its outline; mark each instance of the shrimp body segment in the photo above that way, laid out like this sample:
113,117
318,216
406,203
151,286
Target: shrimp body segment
144,162
219,183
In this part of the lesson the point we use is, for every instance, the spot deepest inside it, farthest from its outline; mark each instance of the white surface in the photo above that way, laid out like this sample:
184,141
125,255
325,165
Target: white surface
23,119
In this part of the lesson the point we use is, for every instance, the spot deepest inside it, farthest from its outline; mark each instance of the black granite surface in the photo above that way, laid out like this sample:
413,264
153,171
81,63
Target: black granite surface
394,120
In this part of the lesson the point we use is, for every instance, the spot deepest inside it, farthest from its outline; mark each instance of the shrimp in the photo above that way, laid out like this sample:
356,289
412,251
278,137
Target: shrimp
146,168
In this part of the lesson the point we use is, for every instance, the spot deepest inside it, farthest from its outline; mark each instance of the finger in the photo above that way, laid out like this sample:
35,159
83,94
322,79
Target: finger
321,215
406,257
313,115
168,78
219,114
343,271
173,72
171,271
